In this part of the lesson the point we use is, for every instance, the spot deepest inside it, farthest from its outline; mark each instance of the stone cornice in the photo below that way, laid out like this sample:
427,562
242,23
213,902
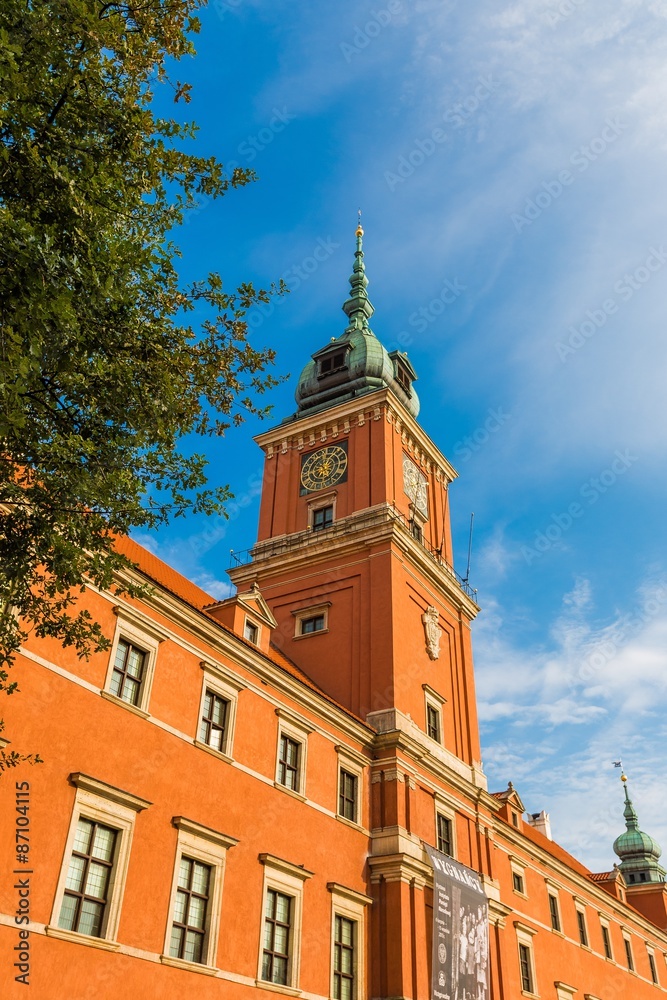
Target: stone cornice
310,430
350,535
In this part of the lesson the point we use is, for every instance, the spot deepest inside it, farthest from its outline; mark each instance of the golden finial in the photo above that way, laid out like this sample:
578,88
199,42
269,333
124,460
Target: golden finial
359,231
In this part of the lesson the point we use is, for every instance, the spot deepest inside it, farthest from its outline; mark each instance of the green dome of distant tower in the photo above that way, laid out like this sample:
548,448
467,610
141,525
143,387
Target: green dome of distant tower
355,363
638,851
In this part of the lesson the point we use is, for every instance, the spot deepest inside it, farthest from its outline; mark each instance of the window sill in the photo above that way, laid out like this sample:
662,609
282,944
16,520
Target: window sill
523,895
350,823
179,963
216,753
87,939
586,947
125,704
290,791
289,991
533,996
309,635
557,933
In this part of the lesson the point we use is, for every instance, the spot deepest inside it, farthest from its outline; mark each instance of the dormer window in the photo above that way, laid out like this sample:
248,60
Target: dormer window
404,373
330,363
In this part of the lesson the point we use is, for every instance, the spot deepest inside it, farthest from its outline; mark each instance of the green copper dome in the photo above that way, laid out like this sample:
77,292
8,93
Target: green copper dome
638,851
355,363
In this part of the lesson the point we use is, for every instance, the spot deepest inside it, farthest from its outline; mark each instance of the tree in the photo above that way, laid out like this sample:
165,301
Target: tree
102,372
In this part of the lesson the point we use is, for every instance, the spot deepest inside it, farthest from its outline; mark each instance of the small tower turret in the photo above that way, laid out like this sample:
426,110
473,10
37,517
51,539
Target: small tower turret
639,853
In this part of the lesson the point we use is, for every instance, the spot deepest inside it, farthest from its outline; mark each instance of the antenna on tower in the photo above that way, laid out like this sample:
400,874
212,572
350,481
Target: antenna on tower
467,576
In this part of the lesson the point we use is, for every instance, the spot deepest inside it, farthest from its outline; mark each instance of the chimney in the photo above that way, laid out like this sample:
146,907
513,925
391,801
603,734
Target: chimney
540,821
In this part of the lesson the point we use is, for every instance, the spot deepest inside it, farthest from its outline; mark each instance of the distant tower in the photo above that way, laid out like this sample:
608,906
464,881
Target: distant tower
638,852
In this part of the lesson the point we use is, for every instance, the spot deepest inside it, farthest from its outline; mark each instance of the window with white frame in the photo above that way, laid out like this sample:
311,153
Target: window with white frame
606,938
350,778
251,631
311,620
581,926
629,957
554,910
347,942
92,880
217,709
445,826
322,512
282,914
196,895
132,661
524,935
433,703
652,966
518,876
292,751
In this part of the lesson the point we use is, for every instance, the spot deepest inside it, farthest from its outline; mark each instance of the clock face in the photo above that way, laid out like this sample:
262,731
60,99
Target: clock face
324,467
414,484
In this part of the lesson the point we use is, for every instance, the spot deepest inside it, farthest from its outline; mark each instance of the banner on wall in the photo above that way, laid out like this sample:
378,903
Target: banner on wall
460,966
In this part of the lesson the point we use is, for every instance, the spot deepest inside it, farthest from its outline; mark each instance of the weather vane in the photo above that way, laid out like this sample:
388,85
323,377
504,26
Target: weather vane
360,231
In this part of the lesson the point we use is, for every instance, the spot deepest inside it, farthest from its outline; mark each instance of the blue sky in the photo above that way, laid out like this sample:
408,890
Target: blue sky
510,163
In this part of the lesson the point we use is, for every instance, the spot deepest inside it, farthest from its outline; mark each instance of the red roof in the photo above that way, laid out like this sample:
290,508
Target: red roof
168,578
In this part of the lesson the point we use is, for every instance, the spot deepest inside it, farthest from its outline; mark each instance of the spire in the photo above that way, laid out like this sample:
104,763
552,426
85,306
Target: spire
639,853
358,307
630,813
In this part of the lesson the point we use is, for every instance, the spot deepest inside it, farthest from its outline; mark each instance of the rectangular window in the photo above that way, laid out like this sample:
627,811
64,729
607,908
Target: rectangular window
88,879
332,363
289,762
553,912
581,924
314,624
128,672
444,832
526,970
190,910
517,882
322,518
214,720
347,795
277,928
628,954
433,722
606,941
654,971
251,631
344,959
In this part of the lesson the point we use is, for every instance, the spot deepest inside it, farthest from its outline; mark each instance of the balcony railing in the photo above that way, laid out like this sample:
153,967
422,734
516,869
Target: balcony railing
355,523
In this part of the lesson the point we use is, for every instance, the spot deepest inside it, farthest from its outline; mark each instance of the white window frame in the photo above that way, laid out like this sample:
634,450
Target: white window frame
580,907
210,847
433,699
444,808
289,879
650,950
256,626
627,937
311,612
352,905
518,868
102,803
354,763
524,936
317,503
296,729
145,635
564,992
227,685
553,893
605,922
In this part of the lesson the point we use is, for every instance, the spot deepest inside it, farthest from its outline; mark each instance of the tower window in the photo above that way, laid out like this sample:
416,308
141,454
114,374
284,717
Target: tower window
433,722
251,631
314,624
526,968
332,363
517,882
444,832
322,518
403,379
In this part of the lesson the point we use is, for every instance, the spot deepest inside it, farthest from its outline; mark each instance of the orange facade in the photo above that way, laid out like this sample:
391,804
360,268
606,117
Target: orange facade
237,797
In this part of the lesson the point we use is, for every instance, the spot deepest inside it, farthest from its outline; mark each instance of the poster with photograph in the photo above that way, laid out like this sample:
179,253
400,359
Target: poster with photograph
460,967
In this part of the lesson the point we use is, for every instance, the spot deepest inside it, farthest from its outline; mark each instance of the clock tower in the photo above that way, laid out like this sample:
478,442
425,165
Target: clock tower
354,553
